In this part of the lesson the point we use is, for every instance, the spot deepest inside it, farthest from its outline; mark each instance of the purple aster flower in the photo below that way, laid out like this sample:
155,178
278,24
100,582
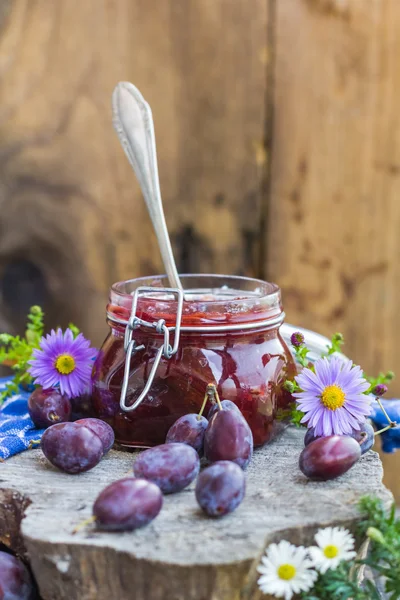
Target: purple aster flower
332,398
380,389
64,362
297,339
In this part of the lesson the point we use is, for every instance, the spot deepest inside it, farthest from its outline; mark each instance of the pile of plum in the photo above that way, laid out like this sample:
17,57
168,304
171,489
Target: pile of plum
224,439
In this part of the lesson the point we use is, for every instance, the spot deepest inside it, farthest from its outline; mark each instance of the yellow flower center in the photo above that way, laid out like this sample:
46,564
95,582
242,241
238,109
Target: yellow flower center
331,551
333,397
65,364
286,572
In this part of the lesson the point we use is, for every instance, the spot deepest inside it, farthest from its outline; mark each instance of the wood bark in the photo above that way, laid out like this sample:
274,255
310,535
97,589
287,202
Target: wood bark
182,555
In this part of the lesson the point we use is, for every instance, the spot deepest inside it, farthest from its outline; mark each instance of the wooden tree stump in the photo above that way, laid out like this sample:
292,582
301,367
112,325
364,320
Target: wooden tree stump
182,555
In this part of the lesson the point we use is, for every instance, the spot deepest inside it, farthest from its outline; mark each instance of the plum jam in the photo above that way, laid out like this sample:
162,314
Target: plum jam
229,336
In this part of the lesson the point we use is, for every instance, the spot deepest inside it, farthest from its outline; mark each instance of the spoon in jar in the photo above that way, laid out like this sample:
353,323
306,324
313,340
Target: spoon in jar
133,122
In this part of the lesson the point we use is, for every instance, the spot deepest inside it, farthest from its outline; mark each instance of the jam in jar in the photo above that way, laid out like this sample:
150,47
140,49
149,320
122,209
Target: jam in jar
229,336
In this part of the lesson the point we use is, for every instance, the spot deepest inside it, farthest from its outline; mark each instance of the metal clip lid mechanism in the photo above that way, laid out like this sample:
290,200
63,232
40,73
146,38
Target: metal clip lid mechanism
165,350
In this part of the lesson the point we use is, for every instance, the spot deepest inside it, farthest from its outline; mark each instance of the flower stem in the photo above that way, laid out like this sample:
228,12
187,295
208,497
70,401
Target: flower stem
390,426
383,410
391,423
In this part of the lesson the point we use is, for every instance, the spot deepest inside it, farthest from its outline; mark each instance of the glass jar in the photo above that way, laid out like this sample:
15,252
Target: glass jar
229,336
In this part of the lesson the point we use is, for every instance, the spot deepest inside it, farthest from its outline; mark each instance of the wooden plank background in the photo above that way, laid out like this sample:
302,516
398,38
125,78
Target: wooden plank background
278,135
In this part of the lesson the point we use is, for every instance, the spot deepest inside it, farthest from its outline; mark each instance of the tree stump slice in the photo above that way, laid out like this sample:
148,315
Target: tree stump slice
182,555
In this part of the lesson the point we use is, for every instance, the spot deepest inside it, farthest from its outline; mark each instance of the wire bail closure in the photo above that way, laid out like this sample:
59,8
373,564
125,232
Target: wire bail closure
165,350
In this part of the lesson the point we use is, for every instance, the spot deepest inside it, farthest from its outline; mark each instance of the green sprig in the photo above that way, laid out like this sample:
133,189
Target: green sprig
301,353
35,326
74,329
339,584
384,378
16,351
337,341
383,530
296,416
291,413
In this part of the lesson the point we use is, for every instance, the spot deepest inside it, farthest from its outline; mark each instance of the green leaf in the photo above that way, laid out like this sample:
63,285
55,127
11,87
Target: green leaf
15,352
291,414
336,344
383,559
301,353
74,329
384,378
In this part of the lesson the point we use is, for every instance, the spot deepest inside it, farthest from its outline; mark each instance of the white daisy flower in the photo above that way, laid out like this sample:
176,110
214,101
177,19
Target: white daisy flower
285,571
334,545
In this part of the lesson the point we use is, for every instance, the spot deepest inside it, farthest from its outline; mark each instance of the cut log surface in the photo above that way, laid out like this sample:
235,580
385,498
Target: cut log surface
182,555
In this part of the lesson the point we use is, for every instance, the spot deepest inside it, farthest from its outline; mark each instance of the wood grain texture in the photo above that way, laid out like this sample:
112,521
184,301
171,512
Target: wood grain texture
334,204
72,217
334,209
182,555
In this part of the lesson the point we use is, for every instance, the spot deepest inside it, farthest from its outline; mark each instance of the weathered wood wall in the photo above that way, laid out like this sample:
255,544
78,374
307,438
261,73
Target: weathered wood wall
72,216
278,135
333,223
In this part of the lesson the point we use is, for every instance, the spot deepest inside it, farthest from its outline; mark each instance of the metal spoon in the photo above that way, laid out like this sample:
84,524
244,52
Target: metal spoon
133,122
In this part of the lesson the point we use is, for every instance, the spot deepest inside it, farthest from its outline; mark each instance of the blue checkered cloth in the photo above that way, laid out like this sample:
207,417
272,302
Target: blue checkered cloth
16,427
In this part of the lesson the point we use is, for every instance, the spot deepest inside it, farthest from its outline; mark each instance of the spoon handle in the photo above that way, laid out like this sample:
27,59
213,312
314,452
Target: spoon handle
133,122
